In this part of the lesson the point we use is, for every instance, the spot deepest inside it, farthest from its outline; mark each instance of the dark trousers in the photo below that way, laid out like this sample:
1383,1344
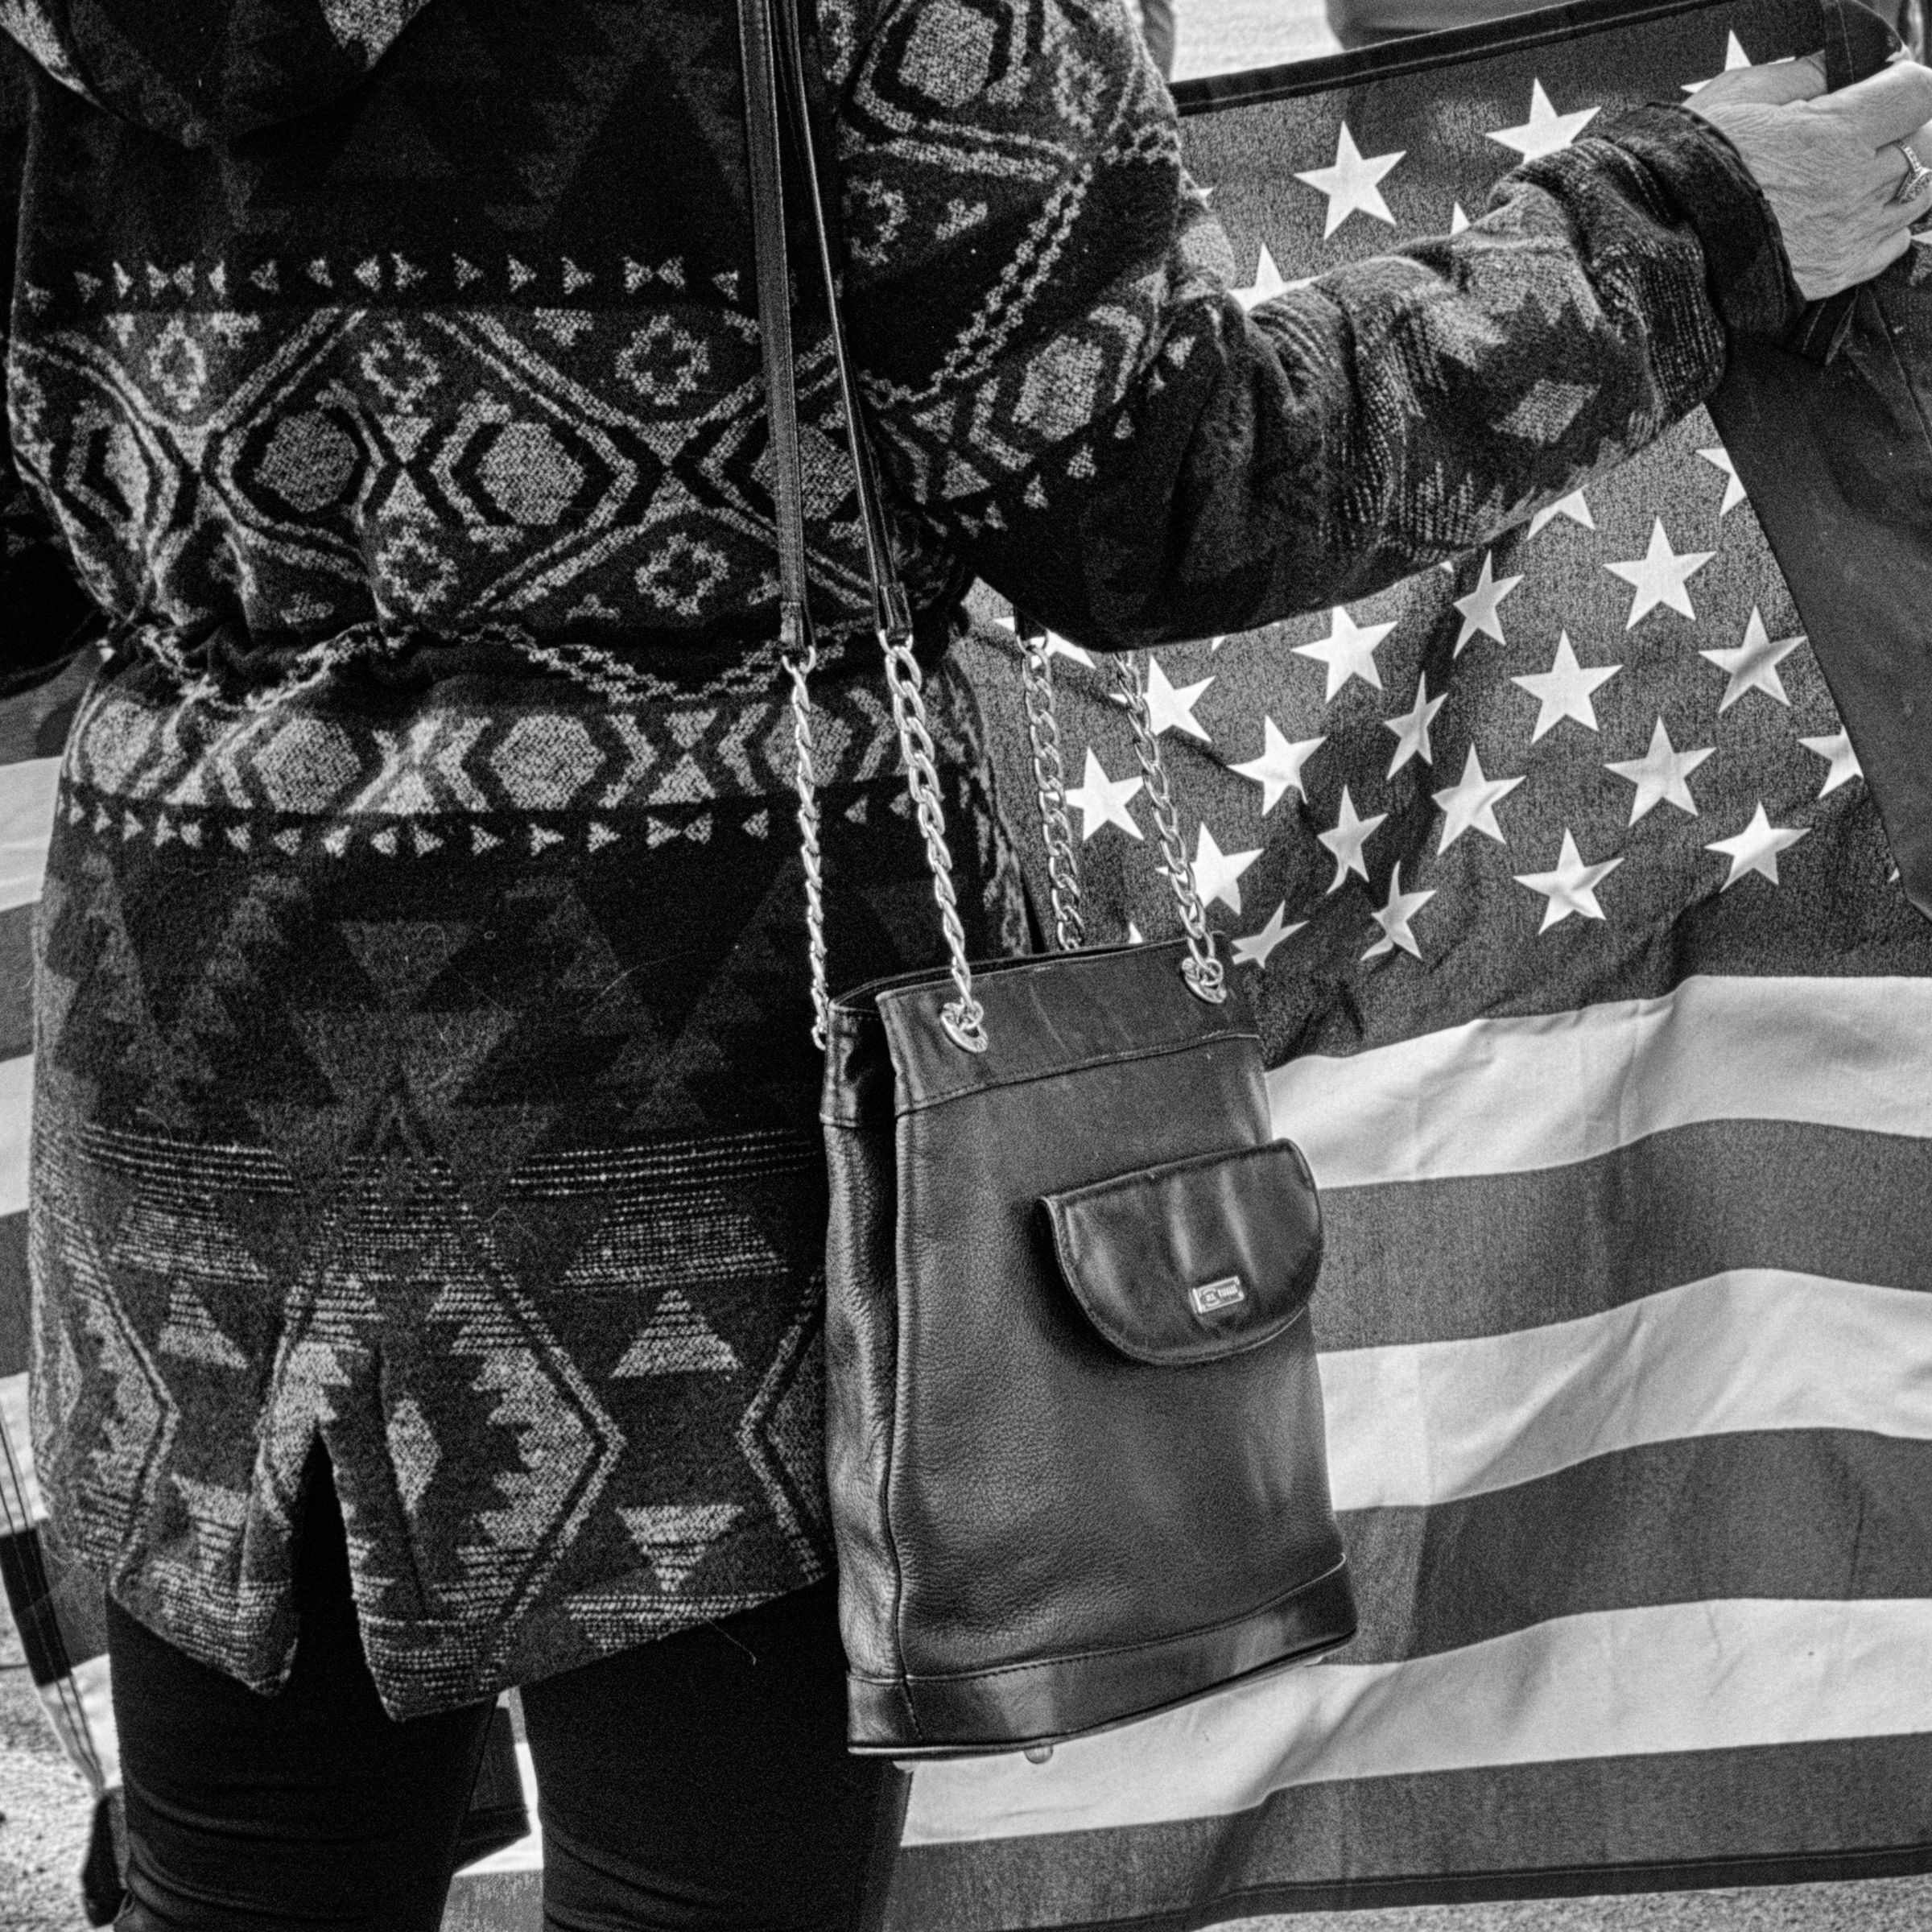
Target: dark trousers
699,1782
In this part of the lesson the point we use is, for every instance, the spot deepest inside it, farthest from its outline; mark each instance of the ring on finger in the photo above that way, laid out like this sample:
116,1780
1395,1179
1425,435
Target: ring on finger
1918,177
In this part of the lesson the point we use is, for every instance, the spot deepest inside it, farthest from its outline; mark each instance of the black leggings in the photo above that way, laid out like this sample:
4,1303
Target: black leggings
696,1784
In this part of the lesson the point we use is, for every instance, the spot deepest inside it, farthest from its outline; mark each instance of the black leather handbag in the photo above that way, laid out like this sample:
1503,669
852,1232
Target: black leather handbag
1076,1458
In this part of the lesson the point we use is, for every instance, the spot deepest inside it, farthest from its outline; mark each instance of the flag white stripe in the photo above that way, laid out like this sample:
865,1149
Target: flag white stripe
1752,1349
1723,1674
80,1708
26,823
1499,1097
16,1107
93,1683
21,1504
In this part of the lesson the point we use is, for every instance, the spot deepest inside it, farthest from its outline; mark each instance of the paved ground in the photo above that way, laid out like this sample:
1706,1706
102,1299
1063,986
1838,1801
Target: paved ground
46,1807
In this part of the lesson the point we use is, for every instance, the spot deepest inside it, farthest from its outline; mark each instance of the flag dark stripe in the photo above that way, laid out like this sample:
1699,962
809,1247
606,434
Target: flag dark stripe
34,723
1487,1254
36,1606
1831,1514
1858,1807
16,981
13,1294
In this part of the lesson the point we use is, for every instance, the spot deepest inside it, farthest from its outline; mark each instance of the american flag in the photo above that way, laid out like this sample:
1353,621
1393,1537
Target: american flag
1590,995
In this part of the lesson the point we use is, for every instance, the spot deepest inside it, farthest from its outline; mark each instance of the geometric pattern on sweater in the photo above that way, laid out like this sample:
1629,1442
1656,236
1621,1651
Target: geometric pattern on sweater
368,371
412,450
511,1197
563,768
587,472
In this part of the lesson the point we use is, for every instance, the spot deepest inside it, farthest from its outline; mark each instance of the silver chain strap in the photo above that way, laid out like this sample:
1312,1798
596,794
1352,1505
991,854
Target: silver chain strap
1206,978
1050,780
800,667
965,1019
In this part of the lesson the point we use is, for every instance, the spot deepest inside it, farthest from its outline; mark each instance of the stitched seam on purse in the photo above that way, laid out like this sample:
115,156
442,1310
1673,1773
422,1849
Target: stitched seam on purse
1124,1058
1151,1643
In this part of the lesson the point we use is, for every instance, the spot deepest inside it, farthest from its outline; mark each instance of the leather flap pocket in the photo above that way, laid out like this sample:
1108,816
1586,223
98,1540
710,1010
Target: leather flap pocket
1196,1260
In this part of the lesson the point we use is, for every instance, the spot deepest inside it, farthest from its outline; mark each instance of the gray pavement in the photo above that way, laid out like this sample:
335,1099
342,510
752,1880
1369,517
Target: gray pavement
46,1804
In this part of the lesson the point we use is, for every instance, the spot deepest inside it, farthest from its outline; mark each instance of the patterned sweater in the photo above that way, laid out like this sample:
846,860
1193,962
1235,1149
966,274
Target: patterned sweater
422,1074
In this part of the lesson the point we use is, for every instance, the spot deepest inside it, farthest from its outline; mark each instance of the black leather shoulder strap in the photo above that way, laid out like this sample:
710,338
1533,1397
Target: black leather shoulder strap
777,96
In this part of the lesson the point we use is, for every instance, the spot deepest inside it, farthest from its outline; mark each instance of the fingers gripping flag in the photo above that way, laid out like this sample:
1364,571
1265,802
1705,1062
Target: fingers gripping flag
1591,991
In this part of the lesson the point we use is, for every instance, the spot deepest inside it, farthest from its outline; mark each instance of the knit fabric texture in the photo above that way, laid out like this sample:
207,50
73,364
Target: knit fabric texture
423,1061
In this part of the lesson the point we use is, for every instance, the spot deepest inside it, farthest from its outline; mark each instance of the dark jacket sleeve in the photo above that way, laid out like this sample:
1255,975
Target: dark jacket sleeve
1061,381
45,616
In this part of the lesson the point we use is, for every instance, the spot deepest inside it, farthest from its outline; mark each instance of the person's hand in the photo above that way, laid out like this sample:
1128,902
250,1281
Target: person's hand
1829,164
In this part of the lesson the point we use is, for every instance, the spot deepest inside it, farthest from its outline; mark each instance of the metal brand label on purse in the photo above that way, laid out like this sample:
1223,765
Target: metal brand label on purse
1223,1294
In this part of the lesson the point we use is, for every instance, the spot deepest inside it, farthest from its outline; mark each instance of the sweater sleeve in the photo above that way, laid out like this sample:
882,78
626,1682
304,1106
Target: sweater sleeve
1062,383
45,616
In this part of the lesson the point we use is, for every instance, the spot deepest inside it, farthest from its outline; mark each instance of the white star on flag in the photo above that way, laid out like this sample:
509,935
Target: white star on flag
1470,803
1660,576
1563,690
1411,728
1102,800
1346,841
1393,919
1057,646
1756,849
1659,775
1735,57
1479,609
1278,770
1266,285
1349,651
1572,887
1171,710
1458,220
1255,948
1753,665
1215,872
1843,760
1720,458
1575,507
1546,130
1351,184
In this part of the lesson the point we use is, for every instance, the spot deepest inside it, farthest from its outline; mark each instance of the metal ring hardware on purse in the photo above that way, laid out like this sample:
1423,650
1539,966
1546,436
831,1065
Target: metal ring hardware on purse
1918,177
964,1018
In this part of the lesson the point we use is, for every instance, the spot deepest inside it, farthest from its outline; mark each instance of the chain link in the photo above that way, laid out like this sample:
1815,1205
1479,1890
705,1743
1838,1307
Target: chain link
1050,779
1204,971
800,665
965,1019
